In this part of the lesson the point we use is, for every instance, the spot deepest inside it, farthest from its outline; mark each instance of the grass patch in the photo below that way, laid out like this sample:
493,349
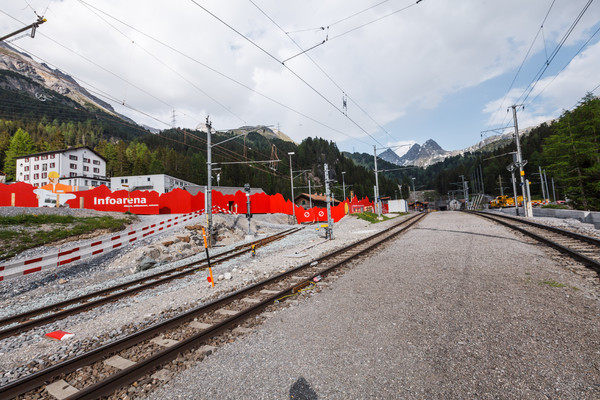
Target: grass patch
26,231
556,206
372,217
555,284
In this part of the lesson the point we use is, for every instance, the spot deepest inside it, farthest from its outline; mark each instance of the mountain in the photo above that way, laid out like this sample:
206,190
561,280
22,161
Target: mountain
390,156
429,153
52,79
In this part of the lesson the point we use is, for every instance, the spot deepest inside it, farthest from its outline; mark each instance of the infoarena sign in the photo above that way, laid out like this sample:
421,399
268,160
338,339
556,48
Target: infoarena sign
119,201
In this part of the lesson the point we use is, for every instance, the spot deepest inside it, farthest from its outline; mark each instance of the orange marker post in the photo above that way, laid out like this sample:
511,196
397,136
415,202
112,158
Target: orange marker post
212,281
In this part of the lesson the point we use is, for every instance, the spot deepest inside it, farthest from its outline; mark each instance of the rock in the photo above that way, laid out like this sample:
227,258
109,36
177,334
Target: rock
167,243
220,277
146,263
62,281
184,238
154,253
227,276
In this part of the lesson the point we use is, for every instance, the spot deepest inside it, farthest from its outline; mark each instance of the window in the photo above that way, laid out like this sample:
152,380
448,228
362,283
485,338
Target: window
72,174
148,179
44,175
36,167
44,157
26,177
96,162
94,183
123,180
44,167
52,165
85,182
27,159
27,168
36,176
44,183
37,158
86,168
97,170
72,157
86,160
73,166
52,155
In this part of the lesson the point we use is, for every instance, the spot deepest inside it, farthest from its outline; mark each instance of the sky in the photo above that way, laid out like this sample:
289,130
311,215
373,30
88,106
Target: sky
407,71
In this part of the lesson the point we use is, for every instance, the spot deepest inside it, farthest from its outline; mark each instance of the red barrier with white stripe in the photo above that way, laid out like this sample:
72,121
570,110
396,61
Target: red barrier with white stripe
67,256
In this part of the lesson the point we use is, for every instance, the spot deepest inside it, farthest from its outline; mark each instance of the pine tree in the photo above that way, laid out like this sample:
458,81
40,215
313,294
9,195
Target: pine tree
20,145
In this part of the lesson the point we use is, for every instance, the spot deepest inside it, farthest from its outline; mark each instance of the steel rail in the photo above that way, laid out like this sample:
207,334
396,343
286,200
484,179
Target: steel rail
104,296
129,375
502,219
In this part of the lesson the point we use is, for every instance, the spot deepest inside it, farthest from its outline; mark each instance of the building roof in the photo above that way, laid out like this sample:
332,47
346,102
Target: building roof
62,151
195,189
315,197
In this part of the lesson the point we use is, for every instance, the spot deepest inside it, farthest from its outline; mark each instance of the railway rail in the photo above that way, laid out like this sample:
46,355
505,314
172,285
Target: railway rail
585,249
19,323
147,350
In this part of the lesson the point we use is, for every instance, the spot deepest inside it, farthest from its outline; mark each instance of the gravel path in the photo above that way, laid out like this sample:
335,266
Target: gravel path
457,308
29,351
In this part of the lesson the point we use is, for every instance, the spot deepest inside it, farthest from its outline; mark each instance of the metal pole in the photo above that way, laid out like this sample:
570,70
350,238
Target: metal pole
481,175
520,163
514,183
309,195
344,185
291,153
553,190
209,184
501,188
546,184
376,183
542,183
328,197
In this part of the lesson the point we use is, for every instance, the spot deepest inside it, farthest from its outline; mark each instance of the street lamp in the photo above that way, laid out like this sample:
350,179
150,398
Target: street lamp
344,184
414,192
291,153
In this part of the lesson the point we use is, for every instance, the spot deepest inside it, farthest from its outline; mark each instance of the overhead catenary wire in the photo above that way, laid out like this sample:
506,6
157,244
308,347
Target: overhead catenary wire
501,106
523,98
217,72
159,60
291,71
321,69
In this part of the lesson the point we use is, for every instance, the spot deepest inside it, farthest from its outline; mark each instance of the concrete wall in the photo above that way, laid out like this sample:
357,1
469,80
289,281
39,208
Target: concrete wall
590,217
398,206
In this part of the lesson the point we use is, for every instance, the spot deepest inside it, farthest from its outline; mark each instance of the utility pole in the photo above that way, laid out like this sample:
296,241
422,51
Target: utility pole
33,27
291,153
328,197
520,164
512,168
209,184
542,183
377,204
546,184
344,185
500,182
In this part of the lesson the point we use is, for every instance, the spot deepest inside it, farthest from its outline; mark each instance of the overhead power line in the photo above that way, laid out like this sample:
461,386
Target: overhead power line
216,71
291,71
320,68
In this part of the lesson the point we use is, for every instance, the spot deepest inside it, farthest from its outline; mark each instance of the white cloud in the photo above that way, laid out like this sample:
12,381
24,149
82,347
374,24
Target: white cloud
415,59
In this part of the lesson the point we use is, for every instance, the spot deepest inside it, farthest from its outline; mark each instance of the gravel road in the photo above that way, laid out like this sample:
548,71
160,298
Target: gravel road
458,308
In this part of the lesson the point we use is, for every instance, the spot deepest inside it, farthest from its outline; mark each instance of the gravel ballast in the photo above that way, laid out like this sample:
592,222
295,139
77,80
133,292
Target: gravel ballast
456,308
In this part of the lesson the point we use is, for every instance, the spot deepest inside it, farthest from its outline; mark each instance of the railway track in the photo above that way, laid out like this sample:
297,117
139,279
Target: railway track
19,323
105,370
584,249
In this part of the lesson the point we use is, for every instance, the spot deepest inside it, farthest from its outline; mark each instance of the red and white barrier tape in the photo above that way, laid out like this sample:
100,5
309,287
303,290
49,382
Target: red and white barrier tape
63,257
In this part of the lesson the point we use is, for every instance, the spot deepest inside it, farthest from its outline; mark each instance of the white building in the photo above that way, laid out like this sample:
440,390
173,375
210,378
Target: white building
80,167
160,183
